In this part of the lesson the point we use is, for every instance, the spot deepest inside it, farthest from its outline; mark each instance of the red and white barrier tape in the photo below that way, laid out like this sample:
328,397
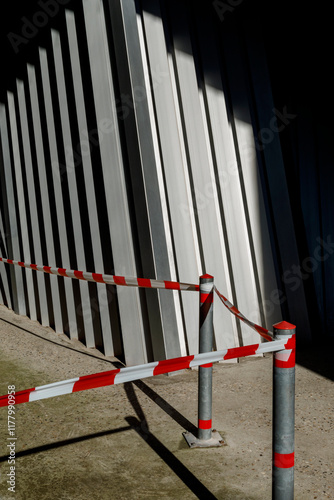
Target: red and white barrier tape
266,334
131,373
106,278
138,282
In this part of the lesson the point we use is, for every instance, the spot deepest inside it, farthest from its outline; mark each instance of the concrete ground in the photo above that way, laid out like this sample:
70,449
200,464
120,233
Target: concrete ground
125,442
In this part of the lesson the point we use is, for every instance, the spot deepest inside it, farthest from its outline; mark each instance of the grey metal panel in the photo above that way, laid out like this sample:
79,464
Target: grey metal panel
4,235
175,168
175,296
114,181
32,205
277,182
202,172
228,180
150,218
253,195
22,210
72,326
89,184
41,167
74,203
10,215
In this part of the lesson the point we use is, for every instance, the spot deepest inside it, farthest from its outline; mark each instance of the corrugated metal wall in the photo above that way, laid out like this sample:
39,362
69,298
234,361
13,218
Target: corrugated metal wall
128,147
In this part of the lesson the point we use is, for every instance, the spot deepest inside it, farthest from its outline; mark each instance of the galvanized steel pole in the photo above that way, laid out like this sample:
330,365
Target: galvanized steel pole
205,345
284,414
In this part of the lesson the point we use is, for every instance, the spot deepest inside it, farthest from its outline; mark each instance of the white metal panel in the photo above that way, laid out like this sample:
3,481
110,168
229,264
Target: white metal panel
89,184
4,236
72,326
73,190
32,206
22,210
201,164
146,182
228,178
10,215
162,193
175,169
253,197
114,181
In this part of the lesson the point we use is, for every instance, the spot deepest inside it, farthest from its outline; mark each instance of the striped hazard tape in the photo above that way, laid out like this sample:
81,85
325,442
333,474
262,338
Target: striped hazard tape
266,334
138,282
129,374
106,278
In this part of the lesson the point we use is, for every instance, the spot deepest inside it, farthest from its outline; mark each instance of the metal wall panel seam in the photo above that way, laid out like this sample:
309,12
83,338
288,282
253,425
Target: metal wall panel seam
113,176
10,215
252,188
73,191
22,209
207,212
32,206
89,183
165,106
162,188
72,326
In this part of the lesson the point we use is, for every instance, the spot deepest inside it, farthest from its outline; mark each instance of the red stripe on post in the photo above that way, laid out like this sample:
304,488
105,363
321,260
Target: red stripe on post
145,283
47,269
208,365
204,424
284,460
239,352
33,266
289,363
291,343
206,298
21,264
172,365
172,285
9,261
98,278
79,275
234,310
95,381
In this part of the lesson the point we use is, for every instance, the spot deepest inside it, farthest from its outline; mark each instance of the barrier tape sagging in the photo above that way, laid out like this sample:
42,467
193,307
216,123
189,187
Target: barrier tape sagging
266,334
138,282
131,373
106,278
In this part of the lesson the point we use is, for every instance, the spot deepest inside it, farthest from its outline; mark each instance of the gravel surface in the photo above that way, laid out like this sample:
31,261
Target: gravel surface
126,442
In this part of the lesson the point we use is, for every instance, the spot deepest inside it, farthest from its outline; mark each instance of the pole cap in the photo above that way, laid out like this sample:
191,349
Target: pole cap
284,325
207,277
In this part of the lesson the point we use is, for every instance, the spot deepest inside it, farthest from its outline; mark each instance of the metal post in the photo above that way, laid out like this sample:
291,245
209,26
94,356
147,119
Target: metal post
206,436
284,414
205,345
